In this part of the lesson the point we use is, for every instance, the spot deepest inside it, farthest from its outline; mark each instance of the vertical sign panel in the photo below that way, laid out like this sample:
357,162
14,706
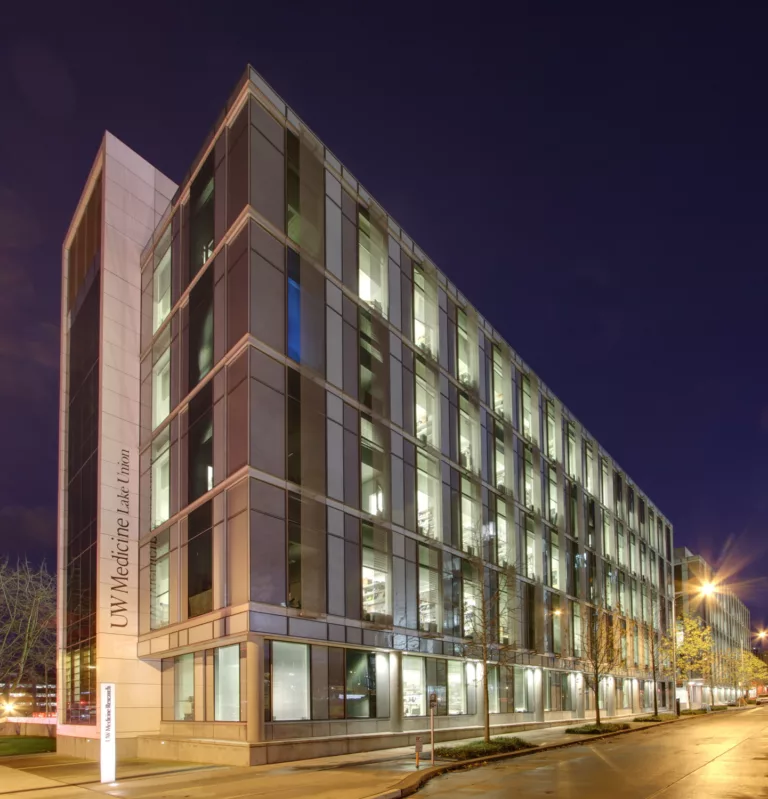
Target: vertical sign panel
108,759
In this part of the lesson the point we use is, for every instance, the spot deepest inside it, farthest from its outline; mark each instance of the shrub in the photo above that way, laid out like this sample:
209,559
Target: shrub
497,746
695,712
719,707
661,717
597,729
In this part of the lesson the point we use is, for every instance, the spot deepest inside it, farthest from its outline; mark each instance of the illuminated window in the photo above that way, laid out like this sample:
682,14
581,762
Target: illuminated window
414,686
376,579
161,288
425,313
160,479
554,559
372,468
530,548
525,403
161,388
607,547
523,689
372,262
429,589
528,478
498,381
426,405
499,460
589,458
467,433
427,495
576,629
552,494
184,688
226,681
290,681
160,580
571,444
550,430
457,688
471,538
502,535
472,610
463,358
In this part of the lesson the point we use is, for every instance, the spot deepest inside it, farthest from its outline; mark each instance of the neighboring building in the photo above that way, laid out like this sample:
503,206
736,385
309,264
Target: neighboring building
722,611
28,699
318,429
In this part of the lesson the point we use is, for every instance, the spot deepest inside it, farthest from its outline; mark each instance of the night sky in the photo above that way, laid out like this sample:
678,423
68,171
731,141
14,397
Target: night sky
593,178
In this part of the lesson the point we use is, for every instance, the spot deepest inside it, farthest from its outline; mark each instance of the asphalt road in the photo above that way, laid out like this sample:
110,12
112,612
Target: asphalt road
722,757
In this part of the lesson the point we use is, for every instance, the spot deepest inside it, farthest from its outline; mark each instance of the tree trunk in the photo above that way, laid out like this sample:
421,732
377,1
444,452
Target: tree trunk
487,719
655,692
597,699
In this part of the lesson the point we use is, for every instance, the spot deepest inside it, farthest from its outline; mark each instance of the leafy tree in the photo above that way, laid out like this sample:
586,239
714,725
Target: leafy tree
690,650
27,622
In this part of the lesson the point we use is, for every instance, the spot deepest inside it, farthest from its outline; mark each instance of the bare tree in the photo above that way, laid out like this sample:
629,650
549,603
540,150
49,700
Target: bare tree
601,650
487,611
27,622
657,656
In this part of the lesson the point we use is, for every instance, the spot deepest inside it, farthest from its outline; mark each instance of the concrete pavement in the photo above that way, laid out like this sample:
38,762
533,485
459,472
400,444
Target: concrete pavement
719,757
344,777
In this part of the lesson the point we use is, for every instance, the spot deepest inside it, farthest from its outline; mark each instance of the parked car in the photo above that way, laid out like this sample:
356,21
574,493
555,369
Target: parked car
762,700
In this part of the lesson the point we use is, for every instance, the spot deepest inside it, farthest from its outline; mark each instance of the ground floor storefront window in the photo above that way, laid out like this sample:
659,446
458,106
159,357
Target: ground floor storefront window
305,682
447,679
205,686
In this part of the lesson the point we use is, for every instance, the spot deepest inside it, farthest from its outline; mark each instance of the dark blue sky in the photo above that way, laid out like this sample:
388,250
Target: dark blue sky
592,177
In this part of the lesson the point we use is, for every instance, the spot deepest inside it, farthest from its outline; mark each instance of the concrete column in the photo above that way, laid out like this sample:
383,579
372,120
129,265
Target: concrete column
580,687
636,696
610,696
396,691
254,691
538,694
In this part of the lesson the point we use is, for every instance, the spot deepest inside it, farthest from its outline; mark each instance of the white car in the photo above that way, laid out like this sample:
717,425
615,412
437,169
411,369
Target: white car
762,700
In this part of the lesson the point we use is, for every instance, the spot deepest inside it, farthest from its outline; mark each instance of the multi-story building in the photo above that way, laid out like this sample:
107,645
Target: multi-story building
309,458
724,613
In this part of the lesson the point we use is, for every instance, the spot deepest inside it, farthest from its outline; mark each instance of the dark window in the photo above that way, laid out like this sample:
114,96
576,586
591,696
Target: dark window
294,305
201,217
529,629
293,186
201,329
372,382
361,684
79,677
200,560
201,442
294,550
293,431
437,683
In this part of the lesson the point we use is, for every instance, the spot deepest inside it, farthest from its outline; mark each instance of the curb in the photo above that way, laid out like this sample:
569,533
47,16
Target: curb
413,782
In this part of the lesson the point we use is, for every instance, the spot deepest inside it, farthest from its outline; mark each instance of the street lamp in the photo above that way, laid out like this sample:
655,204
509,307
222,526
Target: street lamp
707,589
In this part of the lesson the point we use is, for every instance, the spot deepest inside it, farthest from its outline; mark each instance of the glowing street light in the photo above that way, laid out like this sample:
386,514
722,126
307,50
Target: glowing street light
8,707
707,589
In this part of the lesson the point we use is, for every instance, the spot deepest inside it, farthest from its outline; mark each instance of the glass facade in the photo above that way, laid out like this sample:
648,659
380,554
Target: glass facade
332,433
82,443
